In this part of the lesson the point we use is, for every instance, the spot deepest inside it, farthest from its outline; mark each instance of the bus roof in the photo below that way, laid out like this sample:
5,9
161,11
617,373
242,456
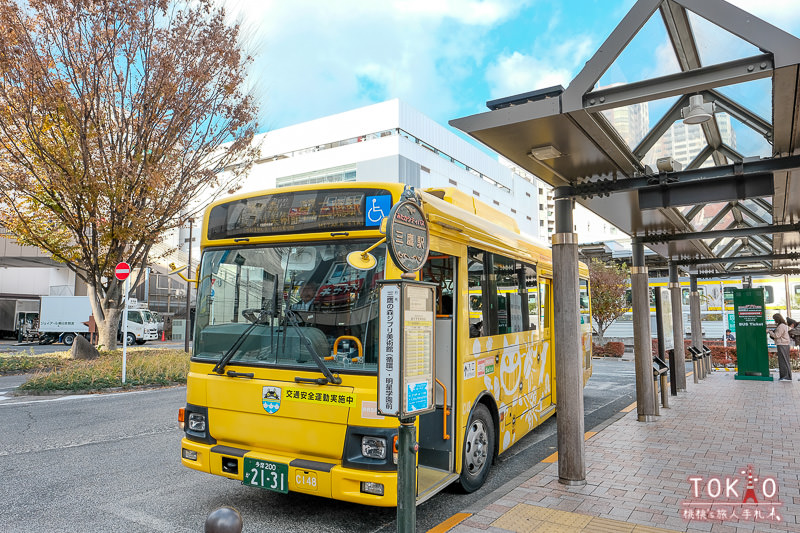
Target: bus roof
471,220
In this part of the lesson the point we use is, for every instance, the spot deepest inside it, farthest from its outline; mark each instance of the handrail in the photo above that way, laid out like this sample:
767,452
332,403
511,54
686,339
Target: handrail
349,338
445,410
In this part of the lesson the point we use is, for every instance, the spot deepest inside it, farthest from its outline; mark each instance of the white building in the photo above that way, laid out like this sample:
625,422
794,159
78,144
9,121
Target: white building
392,142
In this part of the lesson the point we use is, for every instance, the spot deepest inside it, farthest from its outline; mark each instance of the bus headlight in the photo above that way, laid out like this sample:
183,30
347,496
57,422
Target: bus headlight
368,487
197,422
373,447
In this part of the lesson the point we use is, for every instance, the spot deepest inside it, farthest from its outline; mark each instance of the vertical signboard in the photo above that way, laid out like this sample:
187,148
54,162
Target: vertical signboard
418,319
751,334
389,351
405,366
666,318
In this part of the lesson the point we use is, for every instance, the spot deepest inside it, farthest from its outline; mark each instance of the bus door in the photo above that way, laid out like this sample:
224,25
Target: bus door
546,329
436,440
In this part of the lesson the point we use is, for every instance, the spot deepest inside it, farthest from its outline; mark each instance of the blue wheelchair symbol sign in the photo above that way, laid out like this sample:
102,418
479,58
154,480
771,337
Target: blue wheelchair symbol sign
378,207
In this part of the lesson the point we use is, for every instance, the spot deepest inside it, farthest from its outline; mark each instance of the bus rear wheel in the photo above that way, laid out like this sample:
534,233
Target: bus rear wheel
478,449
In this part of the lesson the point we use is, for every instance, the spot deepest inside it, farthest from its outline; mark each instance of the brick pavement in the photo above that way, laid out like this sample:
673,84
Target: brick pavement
638,473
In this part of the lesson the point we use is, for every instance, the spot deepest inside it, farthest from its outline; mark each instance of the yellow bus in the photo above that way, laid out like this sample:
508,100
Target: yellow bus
282,389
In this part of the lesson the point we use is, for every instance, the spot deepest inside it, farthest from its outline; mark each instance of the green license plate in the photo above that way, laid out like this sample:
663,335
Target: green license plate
266,475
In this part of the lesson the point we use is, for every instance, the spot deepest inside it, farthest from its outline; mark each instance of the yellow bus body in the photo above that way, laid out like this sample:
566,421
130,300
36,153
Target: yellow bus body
511,374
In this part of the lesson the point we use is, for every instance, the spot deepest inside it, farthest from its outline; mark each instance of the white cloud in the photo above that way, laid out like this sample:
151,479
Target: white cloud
315,58
514,73
784,14
471,12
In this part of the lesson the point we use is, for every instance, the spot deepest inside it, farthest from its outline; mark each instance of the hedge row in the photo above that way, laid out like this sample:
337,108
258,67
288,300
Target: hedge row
610,349
722,355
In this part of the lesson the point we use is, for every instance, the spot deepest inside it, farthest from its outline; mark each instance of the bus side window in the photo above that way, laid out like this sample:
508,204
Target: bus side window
509,300
476,282
530,300
584,301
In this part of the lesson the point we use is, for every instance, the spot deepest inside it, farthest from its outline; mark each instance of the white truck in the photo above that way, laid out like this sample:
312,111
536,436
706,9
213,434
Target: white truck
18,316
62,318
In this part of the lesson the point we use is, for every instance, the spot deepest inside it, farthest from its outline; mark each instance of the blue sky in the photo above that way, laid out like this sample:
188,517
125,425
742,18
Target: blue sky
448,57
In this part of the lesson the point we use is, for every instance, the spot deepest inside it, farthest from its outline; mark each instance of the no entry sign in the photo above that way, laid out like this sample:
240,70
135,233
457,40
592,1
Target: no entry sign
122,271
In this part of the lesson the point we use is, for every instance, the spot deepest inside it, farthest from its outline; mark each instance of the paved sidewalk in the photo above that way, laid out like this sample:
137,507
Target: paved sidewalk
638,474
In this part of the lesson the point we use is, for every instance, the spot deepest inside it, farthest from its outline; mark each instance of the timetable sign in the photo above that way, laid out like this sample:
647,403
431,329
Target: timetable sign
405,366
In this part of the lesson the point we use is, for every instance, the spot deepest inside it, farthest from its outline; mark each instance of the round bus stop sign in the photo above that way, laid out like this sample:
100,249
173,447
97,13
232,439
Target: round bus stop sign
407,236
122,271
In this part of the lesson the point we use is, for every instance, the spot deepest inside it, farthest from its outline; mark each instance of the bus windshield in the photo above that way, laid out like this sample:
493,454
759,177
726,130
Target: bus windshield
289,306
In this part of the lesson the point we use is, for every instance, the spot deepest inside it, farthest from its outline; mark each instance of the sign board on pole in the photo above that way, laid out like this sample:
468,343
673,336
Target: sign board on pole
407,236
666,317
405,367
122,271
751,335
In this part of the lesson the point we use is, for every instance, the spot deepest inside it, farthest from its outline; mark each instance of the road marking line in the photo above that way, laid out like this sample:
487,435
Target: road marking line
552,458
630,408
450,523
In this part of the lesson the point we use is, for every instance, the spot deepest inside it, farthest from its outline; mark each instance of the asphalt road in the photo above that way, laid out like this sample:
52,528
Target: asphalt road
34,348
110,462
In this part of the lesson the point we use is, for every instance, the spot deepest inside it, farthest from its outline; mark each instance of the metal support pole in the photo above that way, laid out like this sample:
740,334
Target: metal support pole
406,476
642,341
569,371
189,293
677,328
664,395
125,333
694,313
788,296
655,396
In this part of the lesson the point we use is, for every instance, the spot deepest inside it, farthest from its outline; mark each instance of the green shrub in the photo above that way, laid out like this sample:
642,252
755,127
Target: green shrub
21,364
145,367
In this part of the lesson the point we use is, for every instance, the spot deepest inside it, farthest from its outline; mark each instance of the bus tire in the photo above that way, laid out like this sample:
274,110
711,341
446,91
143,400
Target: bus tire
479,441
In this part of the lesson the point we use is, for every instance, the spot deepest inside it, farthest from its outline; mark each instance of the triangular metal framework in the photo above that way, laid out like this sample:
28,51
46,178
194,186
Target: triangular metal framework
759,200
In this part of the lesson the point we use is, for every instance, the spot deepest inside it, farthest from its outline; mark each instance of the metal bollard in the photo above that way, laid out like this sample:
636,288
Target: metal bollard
655,396
696,367
664,395
224,520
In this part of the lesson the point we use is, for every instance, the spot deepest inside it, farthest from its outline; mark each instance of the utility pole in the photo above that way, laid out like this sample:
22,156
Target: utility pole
188,291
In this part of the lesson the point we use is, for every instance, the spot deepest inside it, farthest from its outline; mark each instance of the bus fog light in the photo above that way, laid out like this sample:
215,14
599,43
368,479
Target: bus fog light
373,447
189,454
197,422
368,487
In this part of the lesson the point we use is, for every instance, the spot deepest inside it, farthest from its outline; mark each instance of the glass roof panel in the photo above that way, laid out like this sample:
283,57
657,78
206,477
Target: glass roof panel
720,245
716,44
759,211
648,55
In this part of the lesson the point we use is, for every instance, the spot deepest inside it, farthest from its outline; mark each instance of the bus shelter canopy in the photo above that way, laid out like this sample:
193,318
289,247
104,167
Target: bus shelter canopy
732,208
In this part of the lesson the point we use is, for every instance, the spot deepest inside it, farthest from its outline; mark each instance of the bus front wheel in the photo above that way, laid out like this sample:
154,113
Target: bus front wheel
478,449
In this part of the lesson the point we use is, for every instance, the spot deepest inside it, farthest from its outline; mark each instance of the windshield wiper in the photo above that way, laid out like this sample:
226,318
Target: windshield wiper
260,320
291,318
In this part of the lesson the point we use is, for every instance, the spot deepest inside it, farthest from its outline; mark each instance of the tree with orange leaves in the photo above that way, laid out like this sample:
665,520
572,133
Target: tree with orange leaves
115,117
609,283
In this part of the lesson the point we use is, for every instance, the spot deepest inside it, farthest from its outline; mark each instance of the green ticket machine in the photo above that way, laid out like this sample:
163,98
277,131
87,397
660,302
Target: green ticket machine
751,334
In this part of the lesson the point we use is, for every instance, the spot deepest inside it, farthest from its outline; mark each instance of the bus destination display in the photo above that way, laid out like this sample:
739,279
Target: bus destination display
292,212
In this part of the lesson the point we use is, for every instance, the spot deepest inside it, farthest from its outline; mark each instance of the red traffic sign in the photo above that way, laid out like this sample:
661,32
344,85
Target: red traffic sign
122,271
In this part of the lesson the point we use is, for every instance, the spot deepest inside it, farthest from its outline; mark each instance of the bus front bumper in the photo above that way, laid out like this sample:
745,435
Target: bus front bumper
310,477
